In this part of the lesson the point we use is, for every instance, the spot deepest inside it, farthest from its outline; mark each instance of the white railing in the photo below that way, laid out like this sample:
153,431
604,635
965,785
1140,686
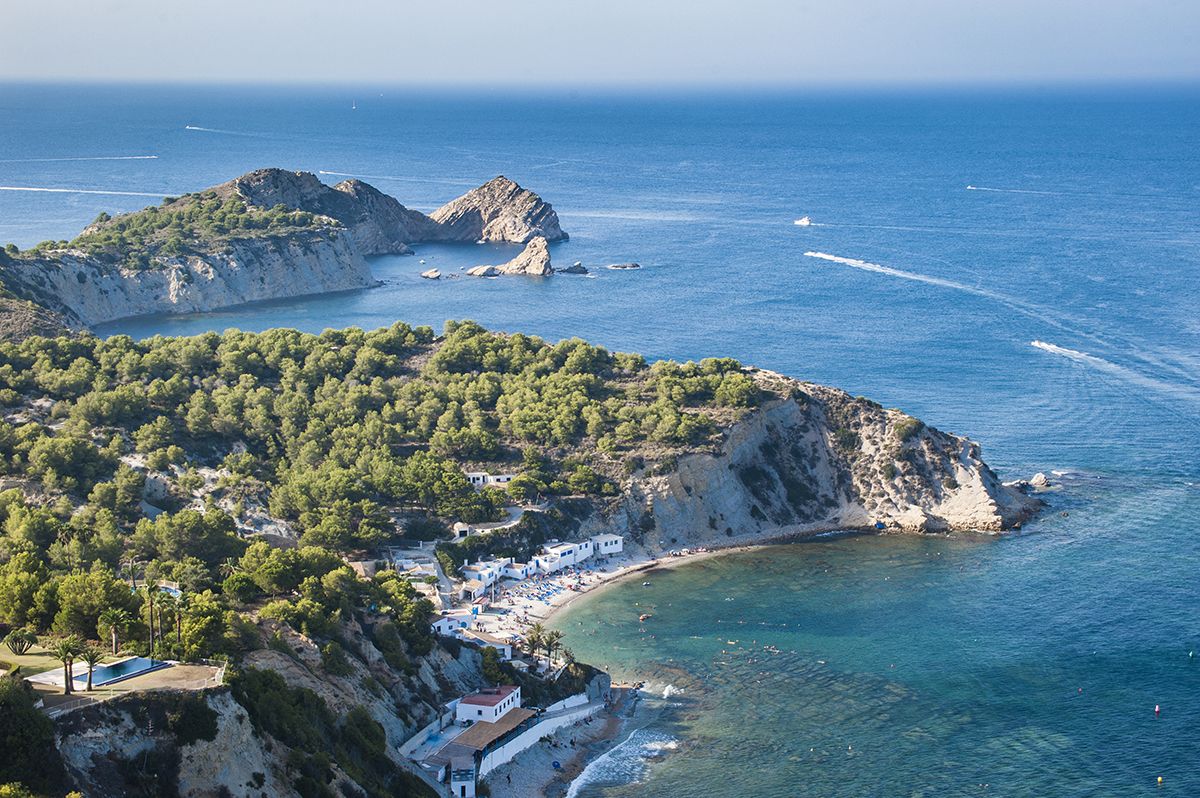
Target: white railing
87,699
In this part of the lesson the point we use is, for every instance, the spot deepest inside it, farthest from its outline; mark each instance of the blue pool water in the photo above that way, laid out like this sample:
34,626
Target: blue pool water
964,227
117,671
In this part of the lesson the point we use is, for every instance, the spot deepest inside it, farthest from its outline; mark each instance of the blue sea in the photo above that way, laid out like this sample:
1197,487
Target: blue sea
954,231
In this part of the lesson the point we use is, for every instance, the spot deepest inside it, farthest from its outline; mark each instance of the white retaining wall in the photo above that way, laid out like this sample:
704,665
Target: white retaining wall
505,753
576,700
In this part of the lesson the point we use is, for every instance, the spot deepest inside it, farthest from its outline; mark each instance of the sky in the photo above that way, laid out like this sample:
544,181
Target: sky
602,42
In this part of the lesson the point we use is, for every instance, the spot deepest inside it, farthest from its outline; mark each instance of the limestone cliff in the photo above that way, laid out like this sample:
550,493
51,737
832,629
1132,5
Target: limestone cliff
499,210
816,460
90,289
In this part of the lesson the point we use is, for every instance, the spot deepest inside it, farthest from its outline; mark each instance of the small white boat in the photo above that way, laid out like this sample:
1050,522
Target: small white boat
803,221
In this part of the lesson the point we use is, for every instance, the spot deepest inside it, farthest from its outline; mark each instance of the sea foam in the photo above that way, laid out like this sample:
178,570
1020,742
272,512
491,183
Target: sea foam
626,762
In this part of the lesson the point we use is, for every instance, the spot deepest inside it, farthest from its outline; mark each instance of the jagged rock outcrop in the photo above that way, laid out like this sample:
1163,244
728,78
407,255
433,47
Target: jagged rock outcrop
499,210
534,260
575,268
90,290
378,223
818,460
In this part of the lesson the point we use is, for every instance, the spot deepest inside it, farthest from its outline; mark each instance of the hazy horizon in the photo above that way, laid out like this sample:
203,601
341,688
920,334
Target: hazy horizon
769,44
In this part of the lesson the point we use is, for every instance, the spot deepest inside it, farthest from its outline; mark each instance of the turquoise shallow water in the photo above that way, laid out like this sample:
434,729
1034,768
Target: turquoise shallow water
1081,232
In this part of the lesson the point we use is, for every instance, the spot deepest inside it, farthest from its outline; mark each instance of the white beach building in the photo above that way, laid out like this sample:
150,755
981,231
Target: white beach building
607,544
517,570
489,704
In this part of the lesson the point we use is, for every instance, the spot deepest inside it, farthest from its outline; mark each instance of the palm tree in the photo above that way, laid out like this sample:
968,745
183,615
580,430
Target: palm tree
117,620
229,566
150,593
535,638
20,640
129,564
91,655
65,651
552,642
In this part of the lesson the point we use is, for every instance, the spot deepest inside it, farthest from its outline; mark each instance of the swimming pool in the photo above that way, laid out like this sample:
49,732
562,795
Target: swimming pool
116,671
103,674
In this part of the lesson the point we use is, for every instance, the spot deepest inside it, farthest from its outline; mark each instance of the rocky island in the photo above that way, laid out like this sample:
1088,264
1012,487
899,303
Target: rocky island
269,234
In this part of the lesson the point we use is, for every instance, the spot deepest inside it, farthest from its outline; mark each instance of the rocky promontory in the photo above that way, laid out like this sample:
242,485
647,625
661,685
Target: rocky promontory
269,234
501,211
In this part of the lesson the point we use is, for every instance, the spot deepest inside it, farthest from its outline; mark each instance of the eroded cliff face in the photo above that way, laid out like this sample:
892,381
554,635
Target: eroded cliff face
90,290
819,460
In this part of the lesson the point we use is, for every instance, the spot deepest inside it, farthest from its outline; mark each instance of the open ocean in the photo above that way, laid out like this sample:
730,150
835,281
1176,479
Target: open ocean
958,229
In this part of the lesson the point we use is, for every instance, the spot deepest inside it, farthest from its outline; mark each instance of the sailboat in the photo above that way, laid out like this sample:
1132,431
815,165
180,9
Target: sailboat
354,105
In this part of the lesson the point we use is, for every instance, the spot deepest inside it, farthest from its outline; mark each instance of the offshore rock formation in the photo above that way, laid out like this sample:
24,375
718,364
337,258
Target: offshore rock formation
534,260
499,210
818,460
90,290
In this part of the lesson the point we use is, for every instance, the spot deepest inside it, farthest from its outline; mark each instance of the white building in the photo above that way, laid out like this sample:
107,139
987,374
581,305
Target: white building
489,704
517,570
557,556
483,639
607,544
451,623
482,479
548,563
462,777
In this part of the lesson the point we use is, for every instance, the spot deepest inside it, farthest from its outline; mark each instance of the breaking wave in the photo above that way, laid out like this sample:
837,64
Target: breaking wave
626,762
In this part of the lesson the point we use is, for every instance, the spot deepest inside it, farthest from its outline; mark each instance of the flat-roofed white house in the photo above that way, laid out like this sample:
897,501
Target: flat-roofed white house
489,704
568,553
548,563
483,639
607,544
451,623
482,479
517,570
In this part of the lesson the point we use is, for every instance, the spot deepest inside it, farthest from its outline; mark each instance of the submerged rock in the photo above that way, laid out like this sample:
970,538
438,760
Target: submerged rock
623,266
499,210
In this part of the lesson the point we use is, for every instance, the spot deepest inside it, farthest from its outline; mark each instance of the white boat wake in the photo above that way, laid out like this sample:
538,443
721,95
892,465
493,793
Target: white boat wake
1033,311
83,158
84,191
400,179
